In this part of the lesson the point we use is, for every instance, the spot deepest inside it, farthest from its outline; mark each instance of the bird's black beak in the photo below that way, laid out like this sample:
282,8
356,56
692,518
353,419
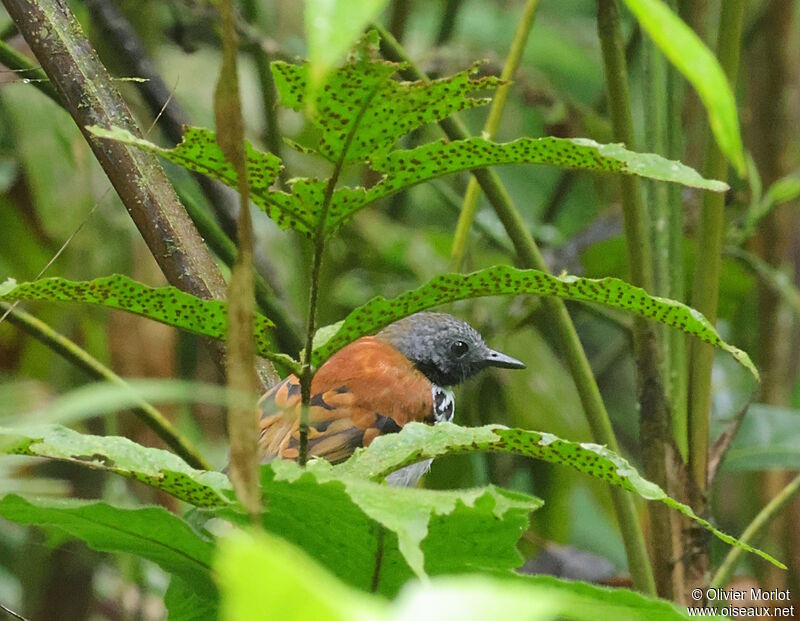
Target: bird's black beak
497,359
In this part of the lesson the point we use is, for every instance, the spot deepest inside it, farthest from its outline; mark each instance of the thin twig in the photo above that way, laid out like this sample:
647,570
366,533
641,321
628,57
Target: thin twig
764,517
717,452
12,613
27,70
316,266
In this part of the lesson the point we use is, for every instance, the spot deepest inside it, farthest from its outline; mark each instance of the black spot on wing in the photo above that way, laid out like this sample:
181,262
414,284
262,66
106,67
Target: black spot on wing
385,424
322,425
335,447
318,401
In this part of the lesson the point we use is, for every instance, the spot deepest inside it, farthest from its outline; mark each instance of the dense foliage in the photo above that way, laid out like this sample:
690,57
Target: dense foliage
357,160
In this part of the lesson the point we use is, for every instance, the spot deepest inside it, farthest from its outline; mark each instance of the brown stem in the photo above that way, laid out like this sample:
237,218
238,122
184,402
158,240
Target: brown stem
88,94
771,74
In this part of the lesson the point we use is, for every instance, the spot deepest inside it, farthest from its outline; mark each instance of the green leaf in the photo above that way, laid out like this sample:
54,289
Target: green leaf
256,572
199,152
362,112
167,305
332,26
186,602
783,190
442,157
504,280
347,523
598,602
697,63
417,442
407,512
769,438
149,532
404,168
336,518
154,467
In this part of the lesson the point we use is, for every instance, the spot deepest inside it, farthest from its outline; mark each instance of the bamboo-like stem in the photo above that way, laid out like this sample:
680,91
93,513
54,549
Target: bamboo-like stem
470,204
770,69
82,359
705,291
654,411
529,255
640,261
759,523
677,373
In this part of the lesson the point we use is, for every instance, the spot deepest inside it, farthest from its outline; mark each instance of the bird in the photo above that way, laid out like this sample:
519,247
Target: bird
375,386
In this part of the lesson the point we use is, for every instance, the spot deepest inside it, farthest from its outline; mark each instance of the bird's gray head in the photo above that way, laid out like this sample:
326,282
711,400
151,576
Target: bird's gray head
447,350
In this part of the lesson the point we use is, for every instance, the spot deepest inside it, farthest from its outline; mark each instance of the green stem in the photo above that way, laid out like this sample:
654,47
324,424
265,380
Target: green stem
8,31
316,265
448,23
654,411
705,291
529,255
640,262
269,97
489,130
677,372
96,369
725,571
12,59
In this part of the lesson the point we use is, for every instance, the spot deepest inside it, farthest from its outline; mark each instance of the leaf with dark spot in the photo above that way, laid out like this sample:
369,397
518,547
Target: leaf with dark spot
505,280
417,441
167,305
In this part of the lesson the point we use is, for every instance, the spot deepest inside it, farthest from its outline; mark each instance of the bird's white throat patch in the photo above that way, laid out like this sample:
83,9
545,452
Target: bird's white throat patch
444,404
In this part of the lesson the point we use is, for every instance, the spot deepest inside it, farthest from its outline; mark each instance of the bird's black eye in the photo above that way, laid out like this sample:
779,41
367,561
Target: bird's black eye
459,348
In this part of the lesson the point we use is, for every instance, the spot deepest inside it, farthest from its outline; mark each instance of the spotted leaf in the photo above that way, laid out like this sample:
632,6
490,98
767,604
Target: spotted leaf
337,518
199,152
362,112
404,168
167,305
154,467
505,280
417,442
